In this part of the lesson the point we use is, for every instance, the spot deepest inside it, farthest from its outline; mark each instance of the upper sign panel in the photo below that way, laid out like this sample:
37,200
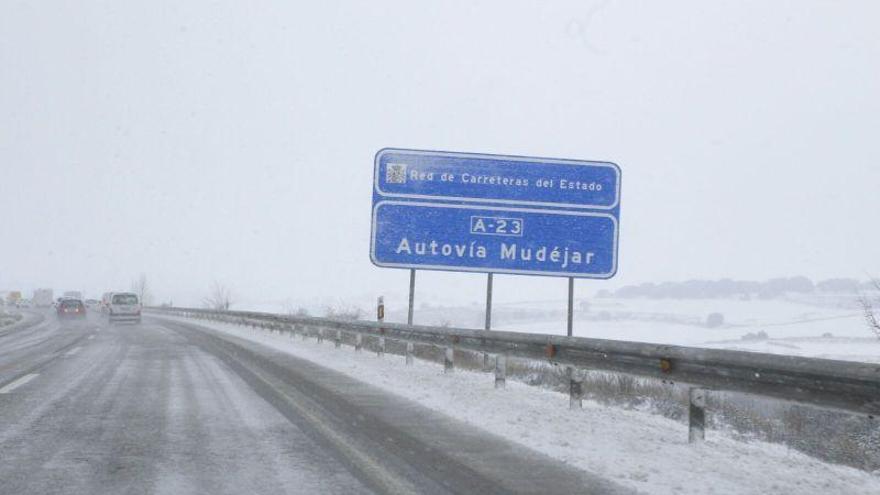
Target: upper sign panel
511,180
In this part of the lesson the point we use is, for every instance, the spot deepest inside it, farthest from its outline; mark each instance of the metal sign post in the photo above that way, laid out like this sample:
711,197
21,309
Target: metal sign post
489,302
488,317
570,305
412,296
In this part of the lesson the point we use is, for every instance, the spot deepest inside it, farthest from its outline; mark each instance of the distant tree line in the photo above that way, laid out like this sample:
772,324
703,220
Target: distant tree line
743,289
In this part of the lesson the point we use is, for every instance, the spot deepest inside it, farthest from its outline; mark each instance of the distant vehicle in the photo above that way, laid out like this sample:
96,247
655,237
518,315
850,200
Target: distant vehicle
92,303
105,302
74,294
43,298
24,303
70,308
13,297
124,306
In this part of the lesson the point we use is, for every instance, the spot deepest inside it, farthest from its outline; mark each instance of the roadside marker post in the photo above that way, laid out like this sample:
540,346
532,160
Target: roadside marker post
380,309
380,317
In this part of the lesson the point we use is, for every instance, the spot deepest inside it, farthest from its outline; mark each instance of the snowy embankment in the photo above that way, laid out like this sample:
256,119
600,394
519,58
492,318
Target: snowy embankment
637,449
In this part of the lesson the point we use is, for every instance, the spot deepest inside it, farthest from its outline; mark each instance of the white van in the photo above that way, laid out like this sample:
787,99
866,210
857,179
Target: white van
124,306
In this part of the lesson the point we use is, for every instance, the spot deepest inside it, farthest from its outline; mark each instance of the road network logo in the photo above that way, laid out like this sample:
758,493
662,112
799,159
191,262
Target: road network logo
395,173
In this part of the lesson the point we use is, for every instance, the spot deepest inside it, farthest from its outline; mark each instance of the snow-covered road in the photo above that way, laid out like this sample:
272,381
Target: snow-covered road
636,449
165,407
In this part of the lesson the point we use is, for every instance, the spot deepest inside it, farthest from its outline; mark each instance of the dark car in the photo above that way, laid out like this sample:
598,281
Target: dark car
71,308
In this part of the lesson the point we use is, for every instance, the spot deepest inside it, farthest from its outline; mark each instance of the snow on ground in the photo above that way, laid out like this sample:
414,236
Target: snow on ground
865,350
636,449
834,330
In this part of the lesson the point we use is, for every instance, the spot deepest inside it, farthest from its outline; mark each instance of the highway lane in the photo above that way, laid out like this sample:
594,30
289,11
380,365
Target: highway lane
167,407
37,340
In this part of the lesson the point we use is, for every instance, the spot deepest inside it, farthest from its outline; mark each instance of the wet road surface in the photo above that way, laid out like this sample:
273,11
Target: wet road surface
170,407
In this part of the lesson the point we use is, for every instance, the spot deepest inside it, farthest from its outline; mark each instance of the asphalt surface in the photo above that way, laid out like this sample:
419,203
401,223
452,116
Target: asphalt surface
168,407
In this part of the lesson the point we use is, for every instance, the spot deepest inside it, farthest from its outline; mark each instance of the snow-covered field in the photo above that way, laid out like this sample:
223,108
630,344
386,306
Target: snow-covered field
637,449
791,327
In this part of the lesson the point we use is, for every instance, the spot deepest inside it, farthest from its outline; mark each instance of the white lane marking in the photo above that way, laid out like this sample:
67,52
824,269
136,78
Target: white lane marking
91,337
73,351
17,383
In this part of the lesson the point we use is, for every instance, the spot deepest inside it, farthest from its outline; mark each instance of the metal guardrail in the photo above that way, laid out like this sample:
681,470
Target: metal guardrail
844,385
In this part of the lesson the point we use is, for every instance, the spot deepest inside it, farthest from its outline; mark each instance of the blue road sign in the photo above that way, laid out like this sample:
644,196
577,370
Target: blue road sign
495,214
467,177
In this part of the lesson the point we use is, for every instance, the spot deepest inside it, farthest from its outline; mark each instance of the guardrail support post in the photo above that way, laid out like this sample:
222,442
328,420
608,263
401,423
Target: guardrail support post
576,389
409,353
338,341
500,370
696,415
448,359
358,342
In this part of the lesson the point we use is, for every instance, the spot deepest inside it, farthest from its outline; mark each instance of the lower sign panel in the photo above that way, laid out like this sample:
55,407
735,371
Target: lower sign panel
499,240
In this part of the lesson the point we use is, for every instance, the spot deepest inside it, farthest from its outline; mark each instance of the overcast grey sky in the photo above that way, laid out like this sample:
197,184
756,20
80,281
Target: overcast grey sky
195,141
